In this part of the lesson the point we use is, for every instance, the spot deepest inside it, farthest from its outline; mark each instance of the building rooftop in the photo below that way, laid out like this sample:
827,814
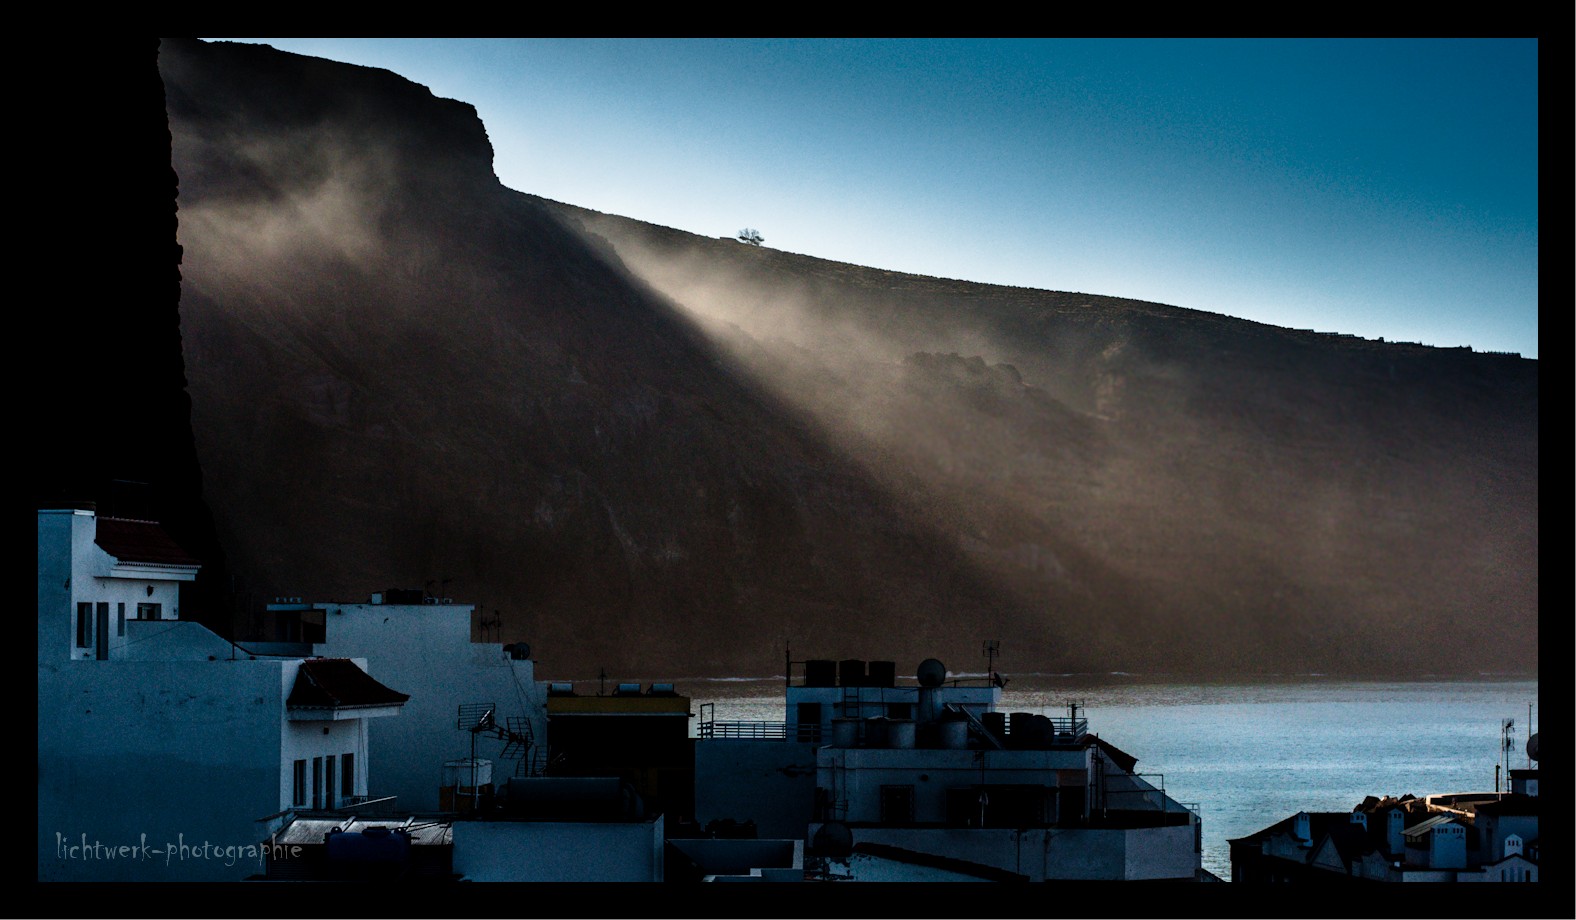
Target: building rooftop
140,541
308,830
337,683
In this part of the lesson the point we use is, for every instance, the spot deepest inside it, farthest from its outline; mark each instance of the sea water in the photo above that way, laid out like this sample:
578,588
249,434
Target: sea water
1247,755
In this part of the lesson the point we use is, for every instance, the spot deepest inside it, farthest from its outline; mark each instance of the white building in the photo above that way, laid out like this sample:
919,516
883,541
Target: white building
904,775
424,648
166,753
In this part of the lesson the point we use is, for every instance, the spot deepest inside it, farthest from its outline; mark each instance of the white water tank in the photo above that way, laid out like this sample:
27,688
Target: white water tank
467,773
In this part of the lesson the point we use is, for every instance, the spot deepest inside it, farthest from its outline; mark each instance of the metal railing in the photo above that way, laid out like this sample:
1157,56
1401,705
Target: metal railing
366,805
1063,725
760,731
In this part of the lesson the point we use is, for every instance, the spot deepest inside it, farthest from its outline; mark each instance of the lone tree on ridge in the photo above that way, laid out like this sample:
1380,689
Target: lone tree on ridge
752,236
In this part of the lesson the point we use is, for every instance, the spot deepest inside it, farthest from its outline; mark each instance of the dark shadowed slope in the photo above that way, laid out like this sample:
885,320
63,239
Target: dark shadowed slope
402,372
111,418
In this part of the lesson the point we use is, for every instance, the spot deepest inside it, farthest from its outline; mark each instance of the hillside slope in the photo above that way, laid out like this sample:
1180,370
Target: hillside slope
664,454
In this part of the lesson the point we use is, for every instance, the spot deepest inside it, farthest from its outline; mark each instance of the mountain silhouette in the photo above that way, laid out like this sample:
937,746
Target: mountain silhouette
666,454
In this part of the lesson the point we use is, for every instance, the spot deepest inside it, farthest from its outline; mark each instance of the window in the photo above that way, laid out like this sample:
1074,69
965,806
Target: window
900,710
347,782
809,722
328,782
120,619
317,782
101,629
897,804
298,789
148,611
84,625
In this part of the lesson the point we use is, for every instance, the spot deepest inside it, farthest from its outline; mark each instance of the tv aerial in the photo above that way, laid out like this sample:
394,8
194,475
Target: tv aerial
992,651
481,719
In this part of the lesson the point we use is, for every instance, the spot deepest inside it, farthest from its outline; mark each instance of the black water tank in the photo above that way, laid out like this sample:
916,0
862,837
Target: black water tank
882,674
851,672
995,723
1035,733
820,673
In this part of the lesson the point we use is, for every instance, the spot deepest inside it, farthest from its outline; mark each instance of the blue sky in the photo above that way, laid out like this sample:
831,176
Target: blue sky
1387,188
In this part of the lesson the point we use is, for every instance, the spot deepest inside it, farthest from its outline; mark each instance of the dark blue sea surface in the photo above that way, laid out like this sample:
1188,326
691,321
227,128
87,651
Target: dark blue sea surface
1248,755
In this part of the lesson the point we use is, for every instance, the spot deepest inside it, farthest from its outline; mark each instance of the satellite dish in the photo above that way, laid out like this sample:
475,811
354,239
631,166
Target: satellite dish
1532,746
931,673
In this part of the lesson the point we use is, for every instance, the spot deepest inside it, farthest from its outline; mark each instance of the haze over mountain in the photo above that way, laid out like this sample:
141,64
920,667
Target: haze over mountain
666,455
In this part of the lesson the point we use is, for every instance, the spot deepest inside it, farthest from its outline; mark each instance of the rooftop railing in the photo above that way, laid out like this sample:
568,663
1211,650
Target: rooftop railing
760,731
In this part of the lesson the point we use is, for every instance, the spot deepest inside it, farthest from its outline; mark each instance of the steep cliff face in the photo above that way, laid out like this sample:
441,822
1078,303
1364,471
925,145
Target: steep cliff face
658,453
112,419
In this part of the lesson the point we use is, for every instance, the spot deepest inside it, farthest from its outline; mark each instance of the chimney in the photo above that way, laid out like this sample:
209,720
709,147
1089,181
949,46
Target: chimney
1395,824
1300,829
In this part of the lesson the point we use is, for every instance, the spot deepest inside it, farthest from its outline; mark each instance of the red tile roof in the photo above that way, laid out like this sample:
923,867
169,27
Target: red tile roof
140,541
337,683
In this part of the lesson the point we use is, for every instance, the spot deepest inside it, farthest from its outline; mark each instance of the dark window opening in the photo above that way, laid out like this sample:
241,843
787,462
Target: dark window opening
85,625
897,804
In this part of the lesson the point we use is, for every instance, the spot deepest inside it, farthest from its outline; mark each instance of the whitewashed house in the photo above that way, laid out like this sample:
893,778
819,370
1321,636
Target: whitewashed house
423,646
166,753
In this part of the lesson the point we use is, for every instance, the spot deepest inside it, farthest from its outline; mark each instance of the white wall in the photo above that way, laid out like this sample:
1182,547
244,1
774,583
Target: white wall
55,537
168,640
151,753
72,569
544,851
306,740
426,651
1447,847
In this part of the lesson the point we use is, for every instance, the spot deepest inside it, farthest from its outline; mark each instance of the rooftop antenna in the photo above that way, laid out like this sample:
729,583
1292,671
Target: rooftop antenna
475,718
482,719
492,628
992,649
1506,731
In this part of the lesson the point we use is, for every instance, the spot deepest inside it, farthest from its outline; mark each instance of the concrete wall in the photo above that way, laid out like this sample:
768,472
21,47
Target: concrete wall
426,651
1098,854
769,782
56,638
1447,847
150,754
169,640
1494,829
856,775
862,867
756,860
543,851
